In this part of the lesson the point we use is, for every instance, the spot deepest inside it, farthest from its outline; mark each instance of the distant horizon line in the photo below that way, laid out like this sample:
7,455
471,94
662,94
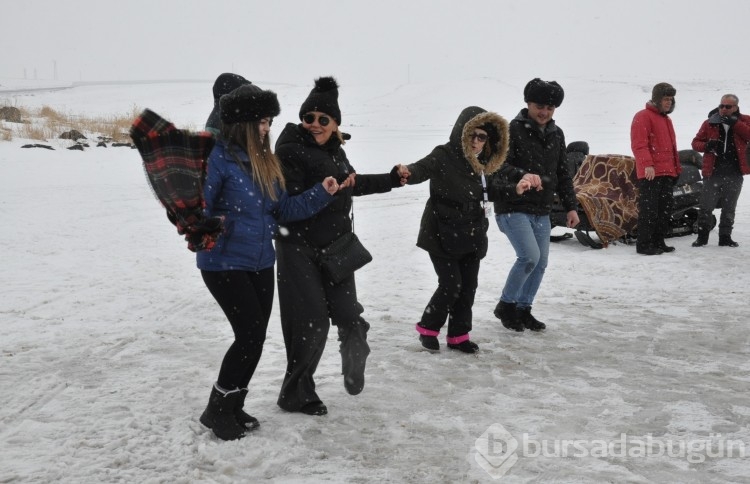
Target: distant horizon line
56,85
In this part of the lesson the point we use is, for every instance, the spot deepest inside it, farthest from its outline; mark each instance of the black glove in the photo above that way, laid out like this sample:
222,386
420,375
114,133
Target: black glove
713,146
202,235
730,120
395,178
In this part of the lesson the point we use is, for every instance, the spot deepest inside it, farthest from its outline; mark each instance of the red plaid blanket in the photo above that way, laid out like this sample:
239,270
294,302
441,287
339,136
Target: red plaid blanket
174,161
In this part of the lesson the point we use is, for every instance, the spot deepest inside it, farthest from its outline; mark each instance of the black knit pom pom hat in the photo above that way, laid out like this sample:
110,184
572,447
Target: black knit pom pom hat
323,98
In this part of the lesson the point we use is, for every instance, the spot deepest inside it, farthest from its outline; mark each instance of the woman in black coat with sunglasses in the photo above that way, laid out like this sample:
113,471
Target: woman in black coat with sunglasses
454,223
309,299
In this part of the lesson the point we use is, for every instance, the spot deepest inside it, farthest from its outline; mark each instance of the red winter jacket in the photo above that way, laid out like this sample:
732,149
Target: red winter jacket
653,142
711,130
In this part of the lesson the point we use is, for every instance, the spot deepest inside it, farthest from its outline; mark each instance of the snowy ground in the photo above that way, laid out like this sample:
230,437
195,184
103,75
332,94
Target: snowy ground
110,342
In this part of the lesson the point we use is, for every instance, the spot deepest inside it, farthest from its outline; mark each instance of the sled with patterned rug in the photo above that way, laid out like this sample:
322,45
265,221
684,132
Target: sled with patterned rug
607,193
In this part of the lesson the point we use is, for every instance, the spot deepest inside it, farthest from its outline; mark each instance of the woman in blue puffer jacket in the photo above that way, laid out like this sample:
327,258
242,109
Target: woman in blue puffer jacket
245,186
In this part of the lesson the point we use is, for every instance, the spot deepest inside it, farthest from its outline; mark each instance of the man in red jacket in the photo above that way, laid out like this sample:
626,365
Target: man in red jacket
657,163
723,139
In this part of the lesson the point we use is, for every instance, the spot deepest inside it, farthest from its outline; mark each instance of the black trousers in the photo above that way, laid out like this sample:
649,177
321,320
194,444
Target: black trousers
454,297
309,302
246,299
655,206
724,188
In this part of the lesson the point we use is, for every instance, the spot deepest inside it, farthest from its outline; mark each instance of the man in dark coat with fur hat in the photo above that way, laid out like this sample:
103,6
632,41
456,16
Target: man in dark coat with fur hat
537,150
657,164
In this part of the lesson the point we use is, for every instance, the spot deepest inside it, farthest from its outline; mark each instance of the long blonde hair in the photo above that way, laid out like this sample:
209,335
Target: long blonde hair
265,167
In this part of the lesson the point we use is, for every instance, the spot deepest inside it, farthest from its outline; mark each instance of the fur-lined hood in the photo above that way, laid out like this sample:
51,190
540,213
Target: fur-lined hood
496,148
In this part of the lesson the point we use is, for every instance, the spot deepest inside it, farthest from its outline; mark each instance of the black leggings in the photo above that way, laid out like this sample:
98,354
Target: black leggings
246,298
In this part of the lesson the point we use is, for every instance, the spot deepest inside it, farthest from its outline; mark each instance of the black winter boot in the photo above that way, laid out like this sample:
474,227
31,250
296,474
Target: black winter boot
529,321
649,250
701,240
465,346
219,414
726,241
429,342
354,350
248,421
660,244
506,312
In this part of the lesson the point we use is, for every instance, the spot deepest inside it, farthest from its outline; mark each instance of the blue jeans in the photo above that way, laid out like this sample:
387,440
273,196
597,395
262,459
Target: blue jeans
529,236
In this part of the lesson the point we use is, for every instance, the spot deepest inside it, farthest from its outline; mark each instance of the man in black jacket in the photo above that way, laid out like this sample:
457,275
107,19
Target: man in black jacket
537,147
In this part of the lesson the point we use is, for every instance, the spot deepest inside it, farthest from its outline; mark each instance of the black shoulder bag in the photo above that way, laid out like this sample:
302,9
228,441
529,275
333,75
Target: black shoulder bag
343,256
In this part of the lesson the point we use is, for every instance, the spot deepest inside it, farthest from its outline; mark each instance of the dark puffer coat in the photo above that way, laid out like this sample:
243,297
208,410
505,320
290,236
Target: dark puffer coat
250,217
453,222
541,153
305,164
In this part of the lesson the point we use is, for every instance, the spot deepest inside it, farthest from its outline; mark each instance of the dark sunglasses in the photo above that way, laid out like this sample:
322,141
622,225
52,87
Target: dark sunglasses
726,106
323,120
479,137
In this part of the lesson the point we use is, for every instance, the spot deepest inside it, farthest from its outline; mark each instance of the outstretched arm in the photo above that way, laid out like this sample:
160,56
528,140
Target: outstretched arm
306,204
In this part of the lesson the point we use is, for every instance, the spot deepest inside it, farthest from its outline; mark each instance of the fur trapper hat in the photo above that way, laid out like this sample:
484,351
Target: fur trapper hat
226,83
248,103
324,98
661,90
543,92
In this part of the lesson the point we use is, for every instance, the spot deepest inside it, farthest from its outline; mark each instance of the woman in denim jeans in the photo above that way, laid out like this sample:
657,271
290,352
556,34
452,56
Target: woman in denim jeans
537,151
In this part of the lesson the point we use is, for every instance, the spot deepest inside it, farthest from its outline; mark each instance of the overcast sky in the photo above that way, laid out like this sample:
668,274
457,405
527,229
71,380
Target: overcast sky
373,41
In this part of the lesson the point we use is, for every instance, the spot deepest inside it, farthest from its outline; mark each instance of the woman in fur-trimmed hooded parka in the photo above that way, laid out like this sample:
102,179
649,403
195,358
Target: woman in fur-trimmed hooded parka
454,223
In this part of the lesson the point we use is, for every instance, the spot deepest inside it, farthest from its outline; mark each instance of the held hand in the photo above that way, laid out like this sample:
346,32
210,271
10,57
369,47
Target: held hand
572,219
403,171
331,185
349,182
730,120
650,173
522,186
534,180
399,176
